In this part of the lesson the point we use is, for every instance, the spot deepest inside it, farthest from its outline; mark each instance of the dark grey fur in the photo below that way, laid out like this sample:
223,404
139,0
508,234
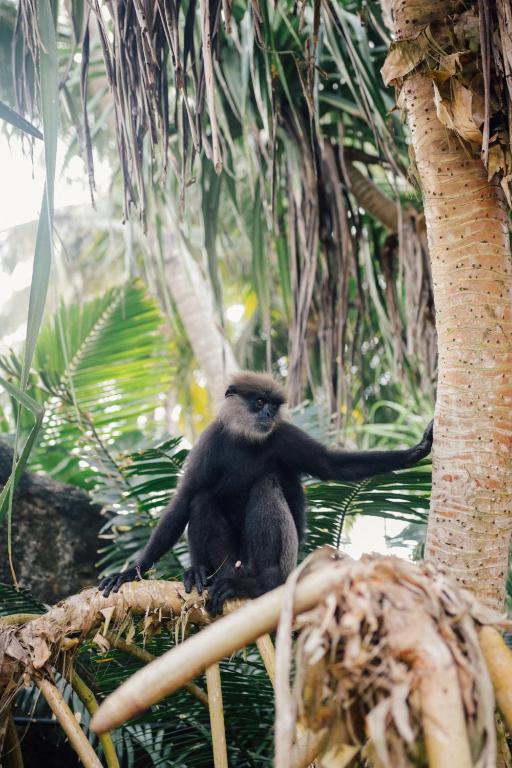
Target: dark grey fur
242,497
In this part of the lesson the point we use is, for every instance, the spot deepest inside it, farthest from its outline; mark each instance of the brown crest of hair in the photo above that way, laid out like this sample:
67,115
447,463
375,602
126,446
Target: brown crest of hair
249,383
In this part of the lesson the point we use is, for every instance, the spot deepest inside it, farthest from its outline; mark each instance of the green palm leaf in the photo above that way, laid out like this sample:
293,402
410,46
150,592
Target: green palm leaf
400,495
100,369
142,486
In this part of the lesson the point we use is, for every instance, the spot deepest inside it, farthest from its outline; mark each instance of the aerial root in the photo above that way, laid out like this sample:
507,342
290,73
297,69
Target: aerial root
498,658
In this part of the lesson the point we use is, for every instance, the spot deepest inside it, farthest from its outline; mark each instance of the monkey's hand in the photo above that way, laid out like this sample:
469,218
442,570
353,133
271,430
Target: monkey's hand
426,441
195,577
112,583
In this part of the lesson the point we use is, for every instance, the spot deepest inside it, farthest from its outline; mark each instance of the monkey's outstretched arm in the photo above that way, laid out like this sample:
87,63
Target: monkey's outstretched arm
309,456
164,537
174,518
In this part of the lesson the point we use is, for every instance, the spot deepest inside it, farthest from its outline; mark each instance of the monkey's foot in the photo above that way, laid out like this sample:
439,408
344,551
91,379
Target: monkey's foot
195,577
112,583
221,590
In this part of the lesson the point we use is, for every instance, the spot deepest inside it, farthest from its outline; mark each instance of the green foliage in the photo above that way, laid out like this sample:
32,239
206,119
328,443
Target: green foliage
18,601
44,32
176,731
138,491
18,121
403,495
100,370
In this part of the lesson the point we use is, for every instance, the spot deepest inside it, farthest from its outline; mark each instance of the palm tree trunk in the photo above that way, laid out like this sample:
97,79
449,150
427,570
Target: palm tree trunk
470,518
193,299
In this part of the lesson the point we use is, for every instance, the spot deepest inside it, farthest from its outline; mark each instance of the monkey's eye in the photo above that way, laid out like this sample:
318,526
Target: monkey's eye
260,402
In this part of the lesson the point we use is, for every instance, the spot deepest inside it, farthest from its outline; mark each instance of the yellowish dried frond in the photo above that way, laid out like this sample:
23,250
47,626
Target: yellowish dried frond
389,661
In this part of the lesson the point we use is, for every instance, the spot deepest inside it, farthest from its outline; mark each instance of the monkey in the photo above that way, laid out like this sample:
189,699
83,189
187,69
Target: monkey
241,494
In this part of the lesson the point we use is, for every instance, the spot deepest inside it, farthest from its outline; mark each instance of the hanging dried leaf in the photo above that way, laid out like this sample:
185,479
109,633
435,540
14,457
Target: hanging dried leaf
402,59
463,112
448,66
392,655
137,40
471,70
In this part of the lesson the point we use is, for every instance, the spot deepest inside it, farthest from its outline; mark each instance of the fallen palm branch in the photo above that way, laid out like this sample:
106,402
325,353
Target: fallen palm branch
38,643
32,647
387,663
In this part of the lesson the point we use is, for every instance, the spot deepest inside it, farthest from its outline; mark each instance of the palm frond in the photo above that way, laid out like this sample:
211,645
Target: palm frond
101,370
138,491
402,495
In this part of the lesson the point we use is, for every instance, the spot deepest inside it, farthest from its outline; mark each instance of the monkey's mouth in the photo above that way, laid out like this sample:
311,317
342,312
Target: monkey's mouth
265,426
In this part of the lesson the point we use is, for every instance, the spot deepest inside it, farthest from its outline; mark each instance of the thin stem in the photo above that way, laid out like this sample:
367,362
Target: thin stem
268,656
69,725
220,755
88,698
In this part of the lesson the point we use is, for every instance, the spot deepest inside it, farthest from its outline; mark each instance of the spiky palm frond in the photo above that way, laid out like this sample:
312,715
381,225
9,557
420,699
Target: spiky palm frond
100,369
402,495
139,490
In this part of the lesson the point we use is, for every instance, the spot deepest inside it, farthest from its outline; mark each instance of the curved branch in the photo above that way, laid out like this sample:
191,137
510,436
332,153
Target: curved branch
369,197
70,726
39,642
88,699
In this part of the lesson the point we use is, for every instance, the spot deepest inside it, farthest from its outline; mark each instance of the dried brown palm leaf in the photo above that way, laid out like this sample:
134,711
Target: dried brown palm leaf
38,644
392,656
469,62
146,65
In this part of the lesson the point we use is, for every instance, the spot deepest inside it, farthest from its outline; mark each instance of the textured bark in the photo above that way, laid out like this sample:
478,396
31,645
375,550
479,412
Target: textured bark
470,520
54,535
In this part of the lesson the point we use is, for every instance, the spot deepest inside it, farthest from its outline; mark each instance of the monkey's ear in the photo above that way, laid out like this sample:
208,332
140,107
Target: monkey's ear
230,391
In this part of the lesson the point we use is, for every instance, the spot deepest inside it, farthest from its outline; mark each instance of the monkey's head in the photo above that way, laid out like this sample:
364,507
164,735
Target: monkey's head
252,407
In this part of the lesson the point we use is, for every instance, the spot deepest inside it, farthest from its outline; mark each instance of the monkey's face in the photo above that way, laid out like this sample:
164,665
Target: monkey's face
265,412
252,407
